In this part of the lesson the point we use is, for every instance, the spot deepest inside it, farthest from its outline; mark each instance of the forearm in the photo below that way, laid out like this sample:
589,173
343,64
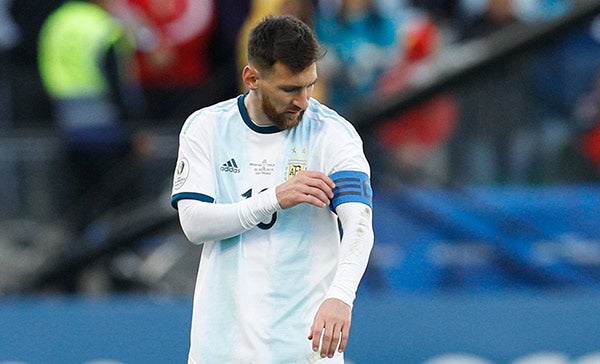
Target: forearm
203,221
356,245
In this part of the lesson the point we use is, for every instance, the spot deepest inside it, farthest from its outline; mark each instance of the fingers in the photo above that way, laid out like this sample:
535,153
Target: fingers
310,187
316,181
344,338
329,338
331,327
315,196
316,333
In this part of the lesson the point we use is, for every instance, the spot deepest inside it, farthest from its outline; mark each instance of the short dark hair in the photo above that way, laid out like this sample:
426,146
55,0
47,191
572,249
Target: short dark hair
284,39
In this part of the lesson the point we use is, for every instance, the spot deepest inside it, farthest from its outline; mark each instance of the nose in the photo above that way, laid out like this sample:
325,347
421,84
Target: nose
301,100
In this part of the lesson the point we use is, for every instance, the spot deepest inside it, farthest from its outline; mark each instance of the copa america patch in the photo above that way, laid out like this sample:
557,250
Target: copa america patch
182,170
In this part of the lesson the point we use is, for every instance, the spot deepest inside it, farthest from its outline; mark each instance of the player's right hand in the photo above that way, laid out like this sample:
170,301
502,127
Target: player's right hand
310,187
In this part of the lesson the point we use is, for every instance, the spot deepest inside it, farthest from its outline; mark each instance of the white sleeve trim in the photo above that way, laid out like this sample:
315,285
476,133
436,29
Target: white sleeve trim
357,242
203,221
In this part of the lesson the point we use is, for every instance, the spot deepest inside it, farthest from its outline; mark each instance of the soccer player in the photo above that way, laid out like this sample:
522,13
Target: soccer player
262,180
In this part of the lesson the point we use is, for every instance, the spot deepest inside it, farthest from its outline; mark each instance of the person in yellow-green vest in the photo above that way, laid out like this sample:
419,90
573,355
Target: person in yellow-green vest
85,63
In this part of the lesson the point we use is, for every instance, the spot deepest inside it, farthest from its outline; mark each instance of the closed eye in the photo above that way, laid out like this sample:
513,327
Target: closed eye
290,89
295,89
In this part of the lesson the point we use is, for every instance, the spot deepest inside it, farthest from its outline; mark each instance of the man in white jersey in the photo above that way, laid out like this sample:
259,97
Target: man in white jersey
262,180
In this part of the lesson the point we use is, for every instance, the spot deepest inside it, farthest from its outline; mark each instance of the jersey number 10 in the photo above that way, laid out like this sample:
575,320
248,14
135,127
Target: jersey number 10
262,225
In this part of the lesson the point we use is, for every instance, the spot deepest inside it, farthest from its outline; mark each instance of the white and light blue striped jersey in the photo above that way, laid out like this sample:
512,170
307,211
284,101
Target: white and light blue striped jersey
257,293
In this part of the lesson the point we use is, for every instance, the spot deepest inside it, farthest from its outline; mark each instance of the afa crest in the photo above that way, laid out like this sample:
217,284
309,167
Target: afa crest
293,167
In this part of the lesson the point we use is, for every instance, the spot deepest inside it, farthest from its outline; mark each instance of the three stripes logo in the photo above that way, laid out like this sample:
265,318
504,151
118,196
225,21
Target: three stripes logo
230,166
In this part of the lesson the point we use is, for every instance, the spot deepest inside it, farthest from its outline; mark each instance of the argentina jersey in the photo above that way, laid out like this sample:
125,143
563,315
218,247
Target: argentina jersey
255,292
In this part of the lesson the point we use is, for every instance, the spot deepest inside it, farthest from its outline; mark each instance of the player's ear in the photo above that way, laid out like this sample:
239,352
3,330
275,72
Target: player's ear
250,76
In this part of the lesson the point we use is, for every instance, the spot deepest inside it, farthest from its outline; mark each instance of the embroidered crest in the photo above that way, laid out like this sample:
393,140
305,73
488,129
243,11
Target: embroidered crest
293,167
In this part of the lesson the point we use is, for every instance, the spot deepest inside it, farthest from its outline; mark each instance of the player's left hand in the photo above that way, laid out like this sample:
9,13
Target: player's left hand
332,322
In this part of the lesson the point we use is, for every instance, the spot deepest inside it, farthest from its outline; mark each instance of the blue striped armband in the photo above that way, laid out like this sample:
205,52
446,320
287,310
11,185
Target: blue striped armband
190,196
351,186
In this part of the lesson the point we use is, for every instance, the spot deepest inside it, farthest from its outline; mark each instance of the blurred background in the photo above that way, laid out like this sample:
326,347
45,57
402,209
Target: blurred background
481,120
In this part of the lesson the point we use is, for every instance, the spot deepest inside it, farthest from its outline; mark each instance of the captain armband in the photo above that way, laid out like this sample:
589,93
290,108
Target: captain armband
351,186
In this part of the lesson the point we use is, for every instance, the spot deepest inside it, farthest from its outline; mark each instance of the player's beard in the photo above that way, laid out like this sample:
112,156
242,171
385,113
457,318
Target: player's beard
280,119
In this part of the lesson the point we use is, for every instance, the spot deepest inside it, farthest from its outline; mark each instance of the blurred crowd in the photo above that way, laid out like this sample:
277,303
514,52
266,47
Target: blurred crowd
161,60
96,71
99,72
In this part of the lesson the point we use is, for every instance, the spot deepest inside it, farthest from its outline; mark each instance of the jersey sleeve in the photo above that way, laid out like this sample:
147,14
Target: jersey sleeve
348,167
344,148
194,174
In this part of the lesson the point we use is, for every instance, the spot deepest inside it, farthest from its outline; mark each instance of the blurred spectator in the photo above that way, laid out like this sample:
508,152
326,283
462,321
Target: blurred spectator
414,136
173,55
30,103
440,10
562,75
587,118
361,43
231,16
85,63
496,121
9,30
9,36
446,14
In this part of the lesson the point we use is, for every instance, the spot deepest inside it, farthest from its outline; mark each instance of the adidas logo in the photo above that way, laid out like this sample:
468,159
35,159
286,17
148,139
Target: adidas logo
230,166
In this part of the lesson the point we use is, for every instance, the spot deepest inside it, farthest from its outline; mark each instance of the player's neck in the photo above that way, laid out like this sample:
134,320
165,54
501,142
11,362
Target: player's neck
258,117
